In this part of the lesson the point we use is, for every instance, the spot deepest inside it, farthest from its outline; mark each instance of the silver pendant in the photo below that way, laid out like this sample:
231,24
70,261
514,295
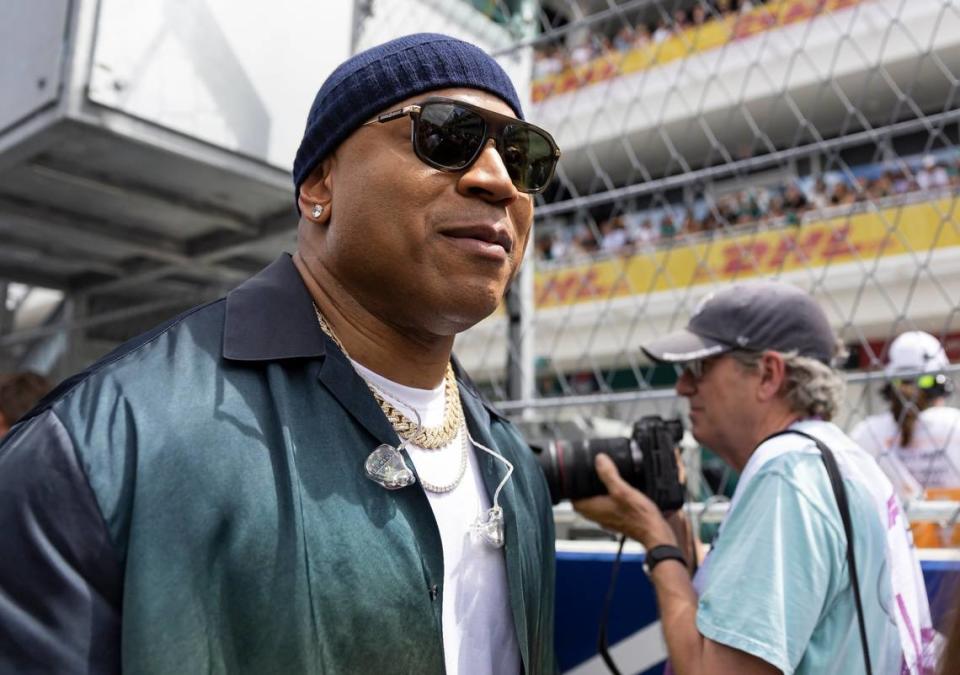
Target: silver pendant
489,527
386,466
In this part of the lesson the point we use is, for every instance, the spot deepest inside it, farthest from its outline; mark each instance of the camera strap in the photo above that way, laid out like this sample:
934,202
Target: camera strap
840,494
602,645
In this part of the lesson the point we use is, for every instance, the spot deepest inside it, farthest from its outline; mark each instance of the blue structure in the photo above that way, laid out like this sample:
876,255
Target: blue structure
583,578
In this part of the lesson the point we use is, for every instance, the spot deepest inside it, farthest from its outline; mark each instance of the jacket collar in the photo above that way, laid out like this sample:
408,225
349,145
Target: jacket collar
270,317
468,386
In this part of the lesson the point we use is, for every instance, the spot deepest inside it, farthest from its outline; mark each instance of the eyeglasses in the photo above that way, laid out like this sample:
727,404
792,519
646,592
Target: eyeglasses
696,367
449,135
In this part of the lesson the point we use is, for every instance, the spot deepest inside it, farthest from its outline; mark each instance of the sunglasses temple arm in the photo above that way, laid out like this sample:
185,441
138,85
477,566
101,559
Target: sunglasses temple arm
396,114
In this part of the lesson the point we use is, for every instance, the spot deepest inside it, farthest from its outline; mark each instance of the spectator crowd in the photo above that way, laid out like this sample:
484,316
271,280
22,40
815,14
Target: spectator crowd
553,59
767,205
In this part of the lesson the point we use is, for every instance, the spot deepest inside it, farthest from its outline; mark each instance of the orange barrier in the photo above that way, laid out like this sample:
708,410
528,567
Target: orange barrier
697,39
935,535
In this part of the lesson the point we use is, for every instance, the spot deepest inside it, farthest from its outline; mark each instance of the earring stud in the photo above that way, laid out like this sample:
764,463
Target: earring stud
317,210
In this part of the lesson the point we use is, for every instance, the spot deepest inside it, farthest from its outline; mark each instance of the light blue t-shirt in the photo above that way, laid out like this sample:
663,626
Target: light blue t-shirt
776,584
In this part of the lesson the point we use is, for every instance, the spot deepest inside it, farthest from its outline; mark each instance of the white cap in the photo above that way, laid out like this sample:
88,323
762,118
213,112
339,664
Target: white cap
915,352
929,161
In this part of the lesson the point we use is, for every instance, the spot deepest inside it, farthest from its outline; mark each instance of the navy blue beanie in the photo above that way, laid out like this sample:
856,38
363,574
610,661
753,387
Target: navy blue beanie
368,82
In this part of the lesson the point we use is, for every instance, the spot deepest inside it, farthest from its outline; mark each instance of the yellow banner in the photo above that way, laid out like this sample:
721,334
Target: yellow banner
703,38
864,236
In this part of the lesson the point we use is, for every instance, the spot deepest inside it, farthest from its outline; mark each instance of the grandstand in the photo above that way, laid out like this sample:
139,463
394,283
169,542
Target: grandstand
810,140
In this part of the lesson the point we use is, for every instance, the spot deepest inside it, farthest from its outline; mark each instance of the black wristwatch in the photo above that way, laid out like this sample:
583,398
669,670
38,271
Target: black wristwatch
658,554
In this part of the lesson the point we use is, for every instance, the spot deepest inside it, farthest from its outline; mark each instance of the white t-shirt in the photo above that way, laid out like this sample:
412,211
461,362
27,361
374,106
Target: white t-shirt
478,632
928,179
931,460
615,240
795,608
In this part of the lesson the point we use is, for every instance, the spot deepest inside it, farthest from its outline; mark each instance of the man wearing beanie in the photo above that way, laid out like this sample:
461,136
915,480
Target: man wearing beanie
780,591
299,477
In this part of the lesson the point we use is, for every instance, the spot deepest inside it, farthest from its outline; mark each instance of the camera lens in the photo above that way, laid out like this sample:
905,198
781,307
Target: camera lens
646,461
569,468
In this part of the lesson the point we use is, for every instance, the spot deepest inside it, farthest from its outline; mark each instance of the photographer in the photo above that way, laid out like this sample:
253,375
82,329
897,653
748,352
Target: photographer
776,592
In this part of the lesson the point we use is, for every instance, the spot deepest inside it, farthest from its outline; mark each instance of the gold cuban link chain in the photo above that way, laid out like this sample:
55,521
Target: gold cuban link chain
429,438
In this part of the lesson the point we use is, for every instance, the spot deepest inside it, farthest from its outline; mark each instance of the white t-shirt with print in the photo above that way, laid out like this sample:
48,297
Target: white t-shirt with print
776,583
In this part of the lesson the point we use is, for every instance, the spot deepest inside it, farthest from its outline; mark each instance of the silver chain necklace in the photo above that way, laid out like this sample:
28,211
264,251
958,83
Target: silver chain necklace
461,471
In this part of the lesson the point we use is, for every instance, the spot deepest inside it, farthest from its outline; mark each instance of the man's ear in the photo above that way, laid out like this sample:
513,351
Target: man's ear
315,191
773,375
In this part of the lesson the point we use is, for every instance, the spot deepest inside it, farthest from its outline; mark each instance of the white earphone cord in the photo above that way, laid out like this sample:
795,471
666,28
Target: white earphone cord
496,493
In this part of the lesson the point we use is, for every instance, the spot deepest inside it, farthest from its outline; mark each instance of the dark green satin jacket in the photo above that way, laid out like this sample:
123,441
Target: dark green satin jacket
195,503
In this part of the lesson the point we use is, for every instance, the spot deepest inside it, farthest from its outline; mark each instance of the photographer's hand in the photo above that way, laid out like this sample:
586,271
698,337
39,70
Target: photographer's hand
625,509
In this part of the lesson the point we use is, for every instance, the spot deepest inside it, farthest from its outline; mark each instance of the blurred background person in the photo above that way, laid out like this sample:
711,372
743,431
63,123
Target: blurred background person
917,440
931,175
19,392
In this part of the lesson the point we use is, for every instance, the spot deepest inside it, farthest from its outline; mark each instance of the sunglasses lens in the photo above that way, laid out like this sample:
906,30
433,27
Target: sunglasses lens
926,381
448,136
528,156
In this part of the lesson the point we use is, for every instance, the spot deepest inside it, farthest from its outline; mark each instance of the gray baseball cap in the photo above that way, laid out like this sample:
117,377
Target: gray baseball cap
753,315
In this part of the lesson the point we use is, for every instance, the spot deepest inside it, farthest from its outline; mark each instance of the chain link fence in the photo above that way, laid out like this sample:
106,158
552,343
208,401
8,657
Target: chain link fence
707,141
704,141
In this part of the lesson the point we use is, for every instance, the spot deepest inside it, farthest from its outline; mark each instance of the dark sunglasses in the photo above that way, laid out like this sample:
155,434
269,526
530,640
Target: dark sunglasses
449,135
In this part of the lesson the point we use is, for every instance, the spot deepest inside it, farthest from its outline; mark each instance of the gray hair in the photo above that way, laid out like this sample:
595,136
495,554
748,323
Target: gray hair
812,388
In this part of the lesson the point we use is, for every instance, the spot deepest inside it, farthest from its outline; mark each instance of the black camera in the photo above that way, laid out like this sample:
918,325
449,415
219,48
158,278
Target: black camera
646,460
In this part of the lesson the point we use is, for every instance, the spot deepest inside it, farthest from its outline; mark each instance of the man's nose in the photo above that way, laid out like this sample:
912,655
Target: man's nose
487,177
686,383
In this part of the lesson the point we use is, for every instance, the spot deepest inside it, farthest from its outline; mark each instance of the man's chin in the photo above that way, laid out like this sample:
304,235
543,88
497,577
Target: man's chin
465,313
697,431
